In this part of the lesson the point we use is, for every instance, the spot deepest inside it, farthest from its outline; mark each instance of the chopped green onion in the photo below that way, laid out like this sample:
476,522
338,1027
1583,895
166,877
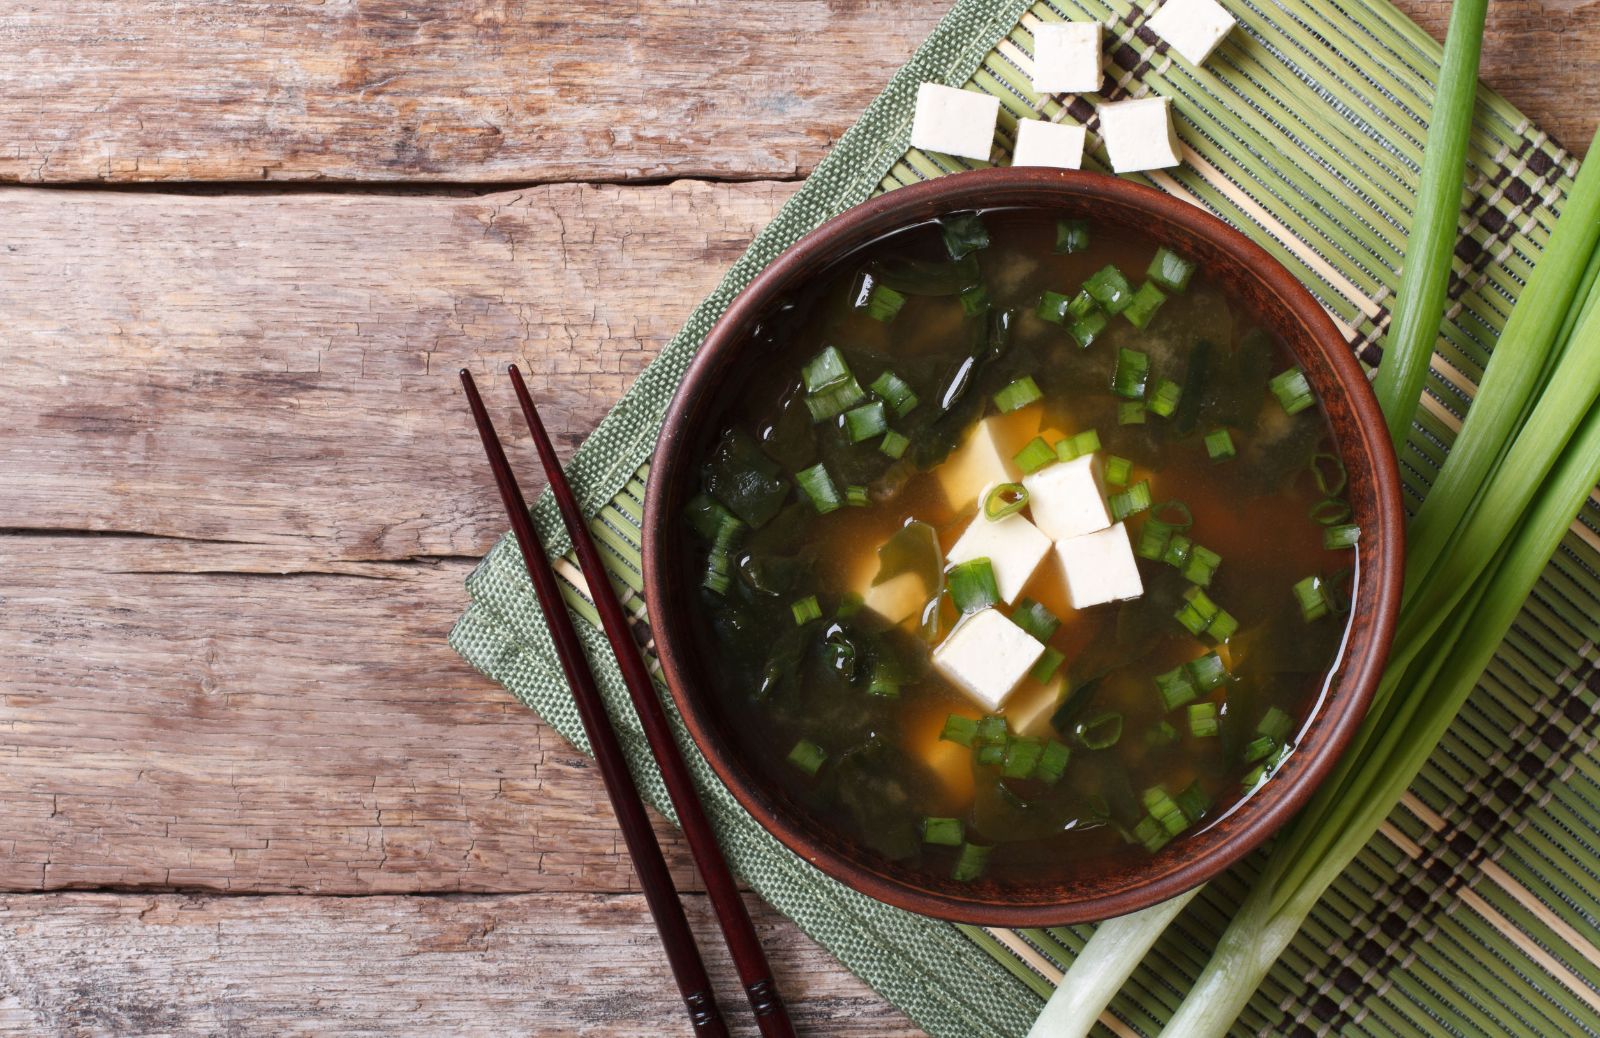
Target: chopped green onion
1101,731
1292,390
818,486
991,753
824,370
1087,328
1077,445
719,563
1035,455
1082,305
971,862
878,301
1202,565
1176,688
1128,502
1223,626
1144,304
1259,749
807,756
1132,374
1004,499
1110,289
1164,398
1130,413
959,730
1197,611
1165,810
850,604
835,400
1034,618
806,610
1170,270
975,300
1151,833
1179,549
1049,662
1219,445
883,686
1345,535
1275,724
1053,762
892,389
1153,540
972,585
1072,235
1255,776
1052,307
857,496
1175,514
992,729
1162,734
1022,757
1118,470
706,515
963,234
1017,395
1330,511
893,444
865,422
1312,595
945,832
1329,472
1193,802
1208,672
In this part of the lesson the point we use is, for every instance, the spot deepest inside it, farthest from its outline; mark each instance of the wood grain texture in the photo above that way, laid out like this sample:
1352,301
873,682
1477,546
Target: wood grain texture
467,90
105,964
492,91
281,370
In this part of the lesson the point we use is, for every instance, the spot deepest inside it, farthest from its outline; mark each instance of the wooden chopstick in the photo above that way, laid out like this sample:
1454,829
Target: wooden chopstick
659,892
737,930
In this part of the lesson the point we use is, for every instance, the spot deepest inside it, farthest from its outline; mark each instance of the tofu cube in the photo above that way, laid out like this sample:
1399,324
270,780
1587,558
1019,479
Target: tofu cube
1013,546
1139,134
955,122
897,598
1193,28
986,656
1100,567
1030,709
1048,144
974,465
1065,500
1066,58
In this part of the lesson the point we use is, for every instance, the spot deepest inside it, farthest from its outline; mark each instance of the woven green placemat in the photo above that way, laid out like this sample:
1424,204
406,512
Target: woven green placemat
1475,910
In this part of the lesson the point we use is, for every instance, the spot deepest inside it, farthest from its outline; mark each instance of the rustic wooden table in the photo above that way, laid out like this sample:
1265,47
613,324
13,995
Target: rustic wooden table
243,248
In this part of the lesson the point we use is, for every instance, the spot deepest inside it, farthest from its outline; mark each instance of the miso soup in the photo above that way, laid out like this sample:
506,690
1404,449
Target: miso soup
1023,550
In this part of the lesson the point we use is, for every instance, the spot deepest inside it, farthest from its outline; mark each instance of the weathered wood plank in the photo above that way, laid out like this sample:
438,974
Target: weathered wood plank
81,964
282,369
482,90
464,90
215,717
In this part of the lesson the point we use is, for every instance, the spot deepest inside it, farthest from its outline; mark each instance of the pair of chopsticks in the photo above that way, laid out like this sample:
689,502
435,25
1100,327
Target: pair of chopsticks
659,892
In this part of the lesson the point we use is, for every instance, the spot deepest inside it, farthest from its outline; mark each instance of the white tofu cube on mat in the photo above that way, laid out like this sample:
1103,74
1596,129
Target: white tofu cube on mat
897,598
986,656
1100,567
1065,500
1048,144
974,465
1013,546
1066,58
955,122
1139,134
1193,28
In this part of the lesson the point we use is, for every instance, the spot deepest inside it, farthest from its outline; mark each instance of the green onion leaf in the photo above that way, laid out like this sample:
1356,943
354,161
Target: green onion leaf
1017,395
1223,626
1170,270
807,756
992,729
1330,511
856,496
1153,540
1176,688
818,486
1049,662
865,422
1344,535
963,234
1193,802
1162,734
1208,672
1203,720
1035,455
1052,307
835,400
1022,757
1165,810
1086,329
1164,398
1312,595
1053,762
1072,235
1197,611
972,585
1151,833
1130,501
1259,749
1082,305
1276,725
1132,374
959,730
850,604
1202,565
1219,445
806,610
1004,499
1130,413
971,862
1110,289
1292,390
893,390
991,753
1117,470
1101,731
1034,618
706,515
1329,472
1144,304
878,301
893,444
825,369
1077,445
944,832
1179,549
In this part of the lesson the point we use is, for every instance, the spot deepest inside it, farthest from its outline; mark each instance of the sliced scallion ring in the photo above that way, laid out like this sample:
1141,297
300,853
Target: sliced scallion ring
1004,499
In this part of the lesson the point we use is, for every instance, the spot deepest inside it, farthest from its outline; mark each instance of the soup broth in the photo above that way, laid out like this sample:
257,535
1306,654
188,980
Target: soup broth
1099,670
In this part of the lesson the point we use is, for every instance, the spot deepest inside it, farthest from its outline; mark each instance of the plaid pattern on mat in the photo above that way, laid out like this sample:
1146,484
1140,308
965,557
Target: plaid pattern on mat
1475,910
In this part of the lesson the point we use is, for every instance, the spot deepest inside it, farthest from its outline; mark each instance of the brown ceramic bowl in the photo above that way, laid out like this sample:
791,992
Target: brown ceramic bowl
1281,302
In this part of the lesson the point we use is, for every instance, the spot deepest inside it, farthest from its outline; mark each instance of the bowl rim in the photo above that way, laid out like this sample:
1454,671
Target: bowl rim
1380,553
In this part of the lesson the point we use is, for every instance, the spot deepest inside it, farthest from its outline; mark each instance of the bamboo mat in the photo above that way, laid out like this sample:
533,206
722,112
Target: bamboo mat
1476,911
